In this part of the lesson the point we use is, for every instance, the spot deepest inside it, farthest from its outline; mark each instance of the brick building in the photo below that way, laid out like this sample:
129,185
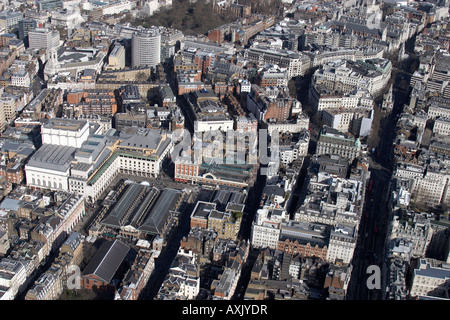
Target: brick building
101,269
94,101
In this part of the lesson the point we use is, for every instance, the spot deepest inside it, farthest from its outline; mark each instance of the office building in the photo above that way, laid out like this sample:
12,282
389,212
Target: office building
225,223
305,239
146,48
43,38
116,59
430,278
26,25
334,142
10,20
342,243
49,5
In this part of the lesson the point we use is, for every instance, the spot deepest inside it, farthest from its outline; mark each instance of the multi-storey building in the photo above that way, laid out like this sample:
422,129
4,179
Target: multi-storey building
342,243
227,284
225,223
146,48
323,99
71,211
430,278
305,239
438,107
49,5
141,154
21,78
10,20
137,276
334,142
183,280
442,126
116,59
318,206
48,286
74,61
266,234
25,26
272,105
429,182
201,242
94,101
291,150
43,38
432,188
296,64
273,77
206,113
12,277
8,109
413,228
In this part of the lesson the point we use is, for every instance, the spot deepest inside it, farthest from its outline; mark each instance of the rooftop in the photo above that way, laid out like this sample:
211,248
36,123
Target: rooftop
106,260
427,270
53,157
203,209
65,124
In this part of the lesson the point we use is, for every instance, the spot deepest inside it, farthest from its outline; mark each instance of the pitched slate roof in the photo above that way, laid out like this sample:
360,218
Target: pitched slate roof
106,260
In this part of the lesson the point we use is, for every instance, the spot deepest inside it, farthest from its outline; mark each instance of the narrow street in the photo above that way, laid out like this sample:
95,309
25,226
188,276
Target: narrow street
370,248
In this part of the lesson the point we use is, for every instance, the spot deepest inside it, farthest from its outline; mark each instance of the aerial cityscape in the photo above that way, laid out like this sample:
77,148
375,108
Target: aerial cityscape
237,150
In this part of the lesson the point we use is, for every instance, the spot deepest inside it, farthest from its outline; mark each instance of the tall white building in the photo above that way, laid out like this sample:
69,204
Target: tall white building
146,48
117,7
266,235
266,228
21,79
43,38
342,243
65,132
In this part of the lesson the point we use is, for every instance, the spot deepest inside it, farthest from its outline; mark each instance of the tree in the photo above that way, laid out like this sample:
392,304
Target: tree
141,76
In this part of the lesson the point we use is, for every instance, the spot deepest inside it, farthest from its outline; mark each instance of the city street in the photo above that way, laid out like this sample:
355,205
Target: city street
370,248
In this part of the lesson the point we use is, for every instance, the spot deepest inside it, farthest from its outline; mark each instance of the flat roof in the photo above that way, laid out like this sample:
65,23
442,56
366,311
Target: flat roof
65,124
426,270
53,157
203,209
